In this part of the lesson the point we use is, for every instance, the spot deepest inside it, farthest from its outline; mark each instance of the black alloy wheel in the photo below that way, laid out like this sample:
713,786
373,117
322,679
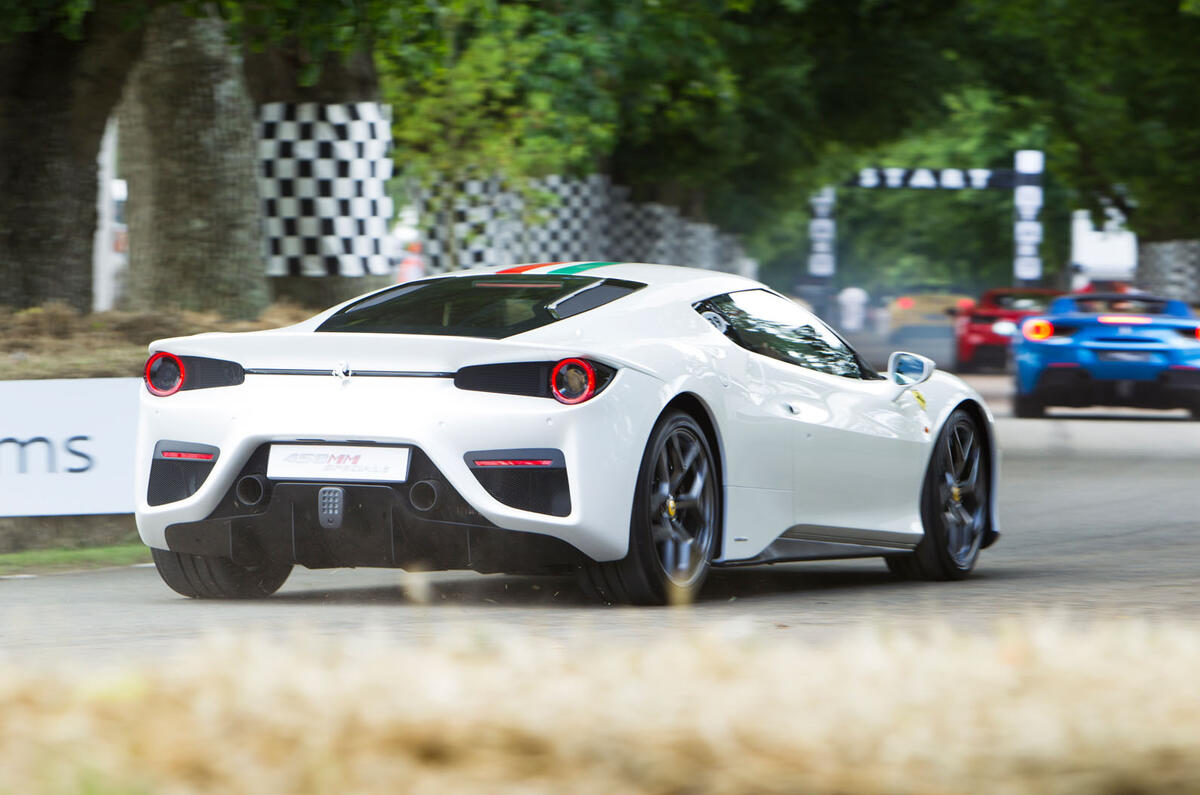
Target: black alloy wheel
675,522
956,504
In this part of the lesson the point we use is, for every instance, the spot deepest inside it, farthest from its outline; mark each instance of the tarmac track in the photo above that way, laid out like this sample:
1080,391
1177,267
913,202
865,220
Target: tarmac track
1100,513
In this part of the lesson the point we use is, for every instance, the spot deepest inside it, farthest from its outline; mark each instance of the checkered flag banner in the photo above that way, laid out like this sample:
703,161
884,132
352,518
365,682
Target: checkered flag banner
322,178
589,219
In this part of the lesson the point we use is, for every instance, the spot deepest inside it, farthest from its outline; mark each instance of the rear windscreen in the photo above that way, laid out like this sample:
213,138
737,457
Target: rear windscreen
1120,303
481,306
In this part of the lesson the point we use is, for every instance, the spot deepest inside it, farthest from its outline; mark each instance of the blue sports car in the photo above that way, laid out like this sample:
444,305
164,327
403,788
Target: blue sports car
1122,349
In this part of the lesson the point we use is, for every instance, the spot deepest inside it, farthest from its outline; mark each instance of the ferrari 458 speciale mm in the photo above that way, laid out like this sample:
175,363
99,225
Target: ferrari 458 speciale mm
1118,349
635,424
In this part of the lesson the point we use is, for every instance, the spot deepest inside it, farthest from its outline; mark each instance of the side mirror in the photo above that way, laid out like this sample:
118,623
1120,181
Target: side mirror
907,370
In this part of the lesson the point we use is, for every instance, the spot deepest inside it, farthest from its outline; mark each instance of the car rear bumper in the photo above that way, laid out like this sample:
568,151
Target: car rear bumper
388,525
600,441
1077,386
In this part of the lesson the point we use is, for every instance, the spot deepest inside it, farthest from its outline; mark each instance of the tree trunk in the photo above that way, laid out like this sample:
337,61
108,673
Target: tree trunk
189,152
274,76
55,97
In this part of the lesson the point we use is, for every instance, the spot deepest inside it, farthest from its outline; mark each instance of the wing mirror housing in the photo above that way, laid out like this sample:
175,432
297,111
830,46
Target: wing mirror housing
906,370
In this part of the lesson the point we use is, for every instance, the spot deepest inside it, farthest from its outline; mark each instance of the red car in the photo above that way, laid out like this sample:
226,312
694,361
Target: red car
983,333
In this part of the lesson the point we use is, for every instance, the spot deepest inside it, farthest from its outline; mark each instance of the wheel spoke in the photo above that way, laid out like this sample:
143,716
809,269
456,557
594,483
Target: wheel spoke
660,531
971,480
686,460
659,497
662,467
684,553
967,445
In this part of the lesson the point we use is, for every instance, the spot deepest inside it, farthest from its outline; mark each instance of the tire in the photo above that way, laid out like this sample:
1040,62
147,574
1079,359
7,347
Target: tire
956,505
674,525
205,577
1028,407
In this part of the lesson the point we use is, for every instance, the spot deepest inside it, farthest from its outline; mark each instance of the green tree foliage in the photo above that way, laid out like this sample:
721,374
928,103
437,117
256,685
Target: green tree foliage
889,238
1115,83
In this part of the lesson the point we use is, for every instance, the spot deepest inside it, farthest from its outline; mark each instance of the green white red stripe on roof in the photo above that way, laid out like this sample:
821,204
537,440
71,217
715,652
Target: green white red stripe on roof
573,267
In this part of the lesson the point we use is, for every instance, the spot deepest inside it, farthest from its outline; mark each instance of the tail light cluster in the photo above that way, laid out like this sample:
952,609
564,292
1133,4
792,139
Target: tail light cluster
1190,333
166,373
570,381
1038,329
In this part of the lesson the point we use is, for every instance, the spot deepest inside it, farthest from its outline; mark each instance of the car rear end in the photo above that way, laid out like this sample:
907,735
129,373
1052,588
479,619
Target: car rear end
1121,357
363,444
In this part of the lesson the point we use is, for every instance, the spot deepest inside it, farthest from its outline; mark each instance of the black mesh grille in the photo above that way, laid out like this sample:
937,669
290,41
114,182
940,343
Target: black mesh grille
171,481
528,488
522,378
204,373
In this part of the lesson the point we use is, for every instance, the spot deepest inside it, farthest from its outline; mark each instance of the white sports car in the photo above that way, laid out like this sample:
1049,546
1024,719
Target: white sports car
635,423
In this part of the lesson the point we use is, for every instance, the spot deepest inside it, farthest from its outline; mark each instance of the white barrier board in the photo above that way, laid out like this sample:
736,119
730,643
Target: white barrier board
67,446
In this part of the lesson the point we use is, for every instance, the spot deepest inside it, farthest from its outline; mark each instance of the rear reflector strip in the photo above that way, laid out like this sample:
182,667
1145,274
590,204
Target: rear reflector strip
1063,364
188,456
515,462
1125,320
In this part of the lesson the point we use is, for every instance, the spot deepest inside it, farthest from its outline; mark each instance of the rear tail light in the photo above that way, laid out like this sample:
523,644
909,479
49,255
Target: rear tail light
573,381
164,374
1037,329
1190,333
904,302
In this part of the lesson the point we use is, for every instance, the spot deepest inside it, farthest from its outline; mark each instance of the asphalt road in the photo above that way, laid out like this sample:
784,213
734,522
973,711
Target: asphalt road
1100,513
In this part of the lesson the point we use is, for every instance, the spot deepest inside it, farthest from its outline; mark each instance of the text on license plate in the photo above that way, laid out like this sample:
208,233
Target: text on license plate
337,462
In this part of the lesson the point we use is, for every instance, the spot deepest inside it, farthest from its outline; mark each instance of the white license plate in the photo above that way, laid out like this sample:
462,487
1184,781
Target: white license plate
337,462
1127,356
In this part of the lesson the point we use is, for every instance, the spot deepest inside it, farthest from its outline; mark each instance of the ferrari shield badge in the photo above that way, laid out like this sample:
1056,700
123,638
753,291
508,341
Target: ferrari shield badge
916,393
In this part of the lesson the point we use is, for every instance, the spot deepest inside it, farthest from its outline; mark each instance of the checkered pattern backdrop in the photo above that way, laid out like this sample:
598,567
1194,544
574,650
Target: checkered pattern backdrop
1171,269
589,219
323,173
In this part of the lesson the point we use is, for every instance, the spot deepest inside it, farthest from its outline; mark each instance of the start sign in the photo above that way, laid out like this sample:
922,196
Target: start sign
931,178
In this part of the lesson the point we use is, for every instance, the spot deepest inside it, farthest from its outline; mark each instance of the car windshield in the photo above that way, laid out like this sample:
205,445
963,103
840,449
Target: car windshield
481,306
1034,302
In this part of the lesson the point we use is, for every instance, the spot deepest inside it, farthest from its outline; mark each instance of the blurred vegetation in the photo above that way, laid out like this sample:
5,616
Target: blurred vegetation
57,341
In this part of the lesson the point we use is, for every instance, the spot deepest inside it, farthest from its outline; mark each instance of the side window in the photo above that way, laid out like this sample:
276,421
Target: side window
773,326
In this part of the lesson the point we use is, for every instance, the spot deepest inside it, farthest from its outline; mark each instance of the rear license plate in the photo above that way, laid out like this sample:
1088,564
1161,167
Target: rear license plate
337,462
1126,356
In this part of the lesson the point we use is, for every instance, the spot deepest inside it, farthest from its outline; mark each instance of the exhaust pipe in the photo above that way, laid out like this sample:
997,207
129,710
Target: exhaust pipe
424,495
252,489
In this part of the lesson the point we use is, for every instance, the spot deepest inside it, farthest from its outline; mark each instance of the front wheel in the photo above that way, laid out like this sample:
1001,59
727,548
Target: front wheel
675,521
207,577
956,505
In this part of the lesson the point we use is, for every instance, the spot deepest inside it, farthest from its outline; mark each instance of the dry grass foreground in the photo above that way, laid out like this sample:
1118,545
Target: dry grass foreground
56,341
1032,708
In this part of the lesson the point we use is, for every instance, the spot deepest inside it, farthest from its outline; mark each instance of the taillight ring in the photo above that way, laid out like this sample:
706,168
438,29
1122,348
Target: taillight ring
588,388
1037,329
176,383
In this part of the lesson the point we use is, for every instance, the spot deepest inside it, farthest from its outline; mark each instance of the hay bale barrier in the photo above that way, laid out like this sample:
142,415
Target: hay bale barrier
1041,706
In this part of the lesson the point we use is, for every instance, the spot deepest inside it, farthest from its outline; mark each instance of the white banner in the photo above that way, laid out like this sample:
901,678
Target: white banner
67,446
